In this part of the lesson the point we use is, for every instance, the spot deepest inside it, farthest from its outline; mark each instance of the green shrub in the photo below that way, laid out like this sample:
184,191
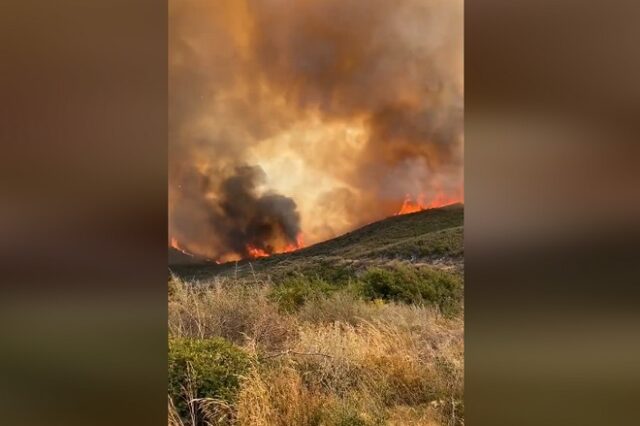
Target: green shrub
333,269
409,285
294,292
449,242
207,368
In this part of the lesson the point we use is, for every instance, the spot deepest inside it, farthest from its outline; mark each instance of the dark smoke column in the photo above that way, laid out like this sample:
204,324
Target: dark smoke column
269,222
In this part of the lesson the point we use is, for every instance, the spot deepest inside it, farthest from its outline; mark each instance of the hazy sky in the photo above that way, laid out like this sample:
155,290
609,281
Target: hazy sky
309,117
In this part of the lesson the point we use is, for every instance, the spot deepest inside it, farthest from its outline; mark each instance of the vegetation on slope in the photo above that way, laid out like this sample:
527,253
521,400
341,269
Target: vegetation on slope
365,329
336,359
422,237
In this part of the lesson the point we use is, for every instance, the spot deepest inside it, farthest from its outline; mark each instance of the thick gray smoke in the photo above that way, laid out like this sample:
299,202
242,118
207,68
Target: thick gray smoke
238,217
246,219
347,106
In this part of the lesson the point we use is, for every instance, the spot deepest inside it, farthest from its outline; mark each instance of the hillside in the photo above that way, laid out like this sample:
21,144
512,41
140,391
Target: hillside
433,237
364,329
176,257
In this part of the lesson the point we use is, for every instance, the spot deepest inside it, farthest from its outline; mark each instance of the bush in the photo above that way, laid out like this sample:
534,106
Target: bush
416,286
329,269
294,292
448,243
207,368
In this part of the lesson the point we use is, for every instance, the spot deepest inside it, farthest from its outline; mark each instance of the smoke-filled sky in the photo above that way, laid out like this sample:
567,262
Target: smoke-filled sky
308,118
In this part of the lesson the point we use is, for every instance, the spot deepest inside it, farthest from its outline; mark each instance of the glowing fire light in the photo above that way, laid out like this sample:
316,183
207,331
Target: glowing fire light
293,247
440,200
175,245
257,252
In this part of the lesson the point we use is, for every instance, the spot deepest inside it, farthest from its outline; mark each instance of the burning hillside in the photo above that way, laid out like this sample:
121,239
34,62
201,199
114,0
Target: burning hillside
422,203
266,249
309,119
425,235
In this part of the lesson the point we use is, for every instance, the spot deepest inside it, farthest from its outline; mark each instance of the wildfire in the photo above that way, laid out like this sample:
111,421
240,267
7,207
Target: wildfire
293,247
257,252
175,245
421,203
173,242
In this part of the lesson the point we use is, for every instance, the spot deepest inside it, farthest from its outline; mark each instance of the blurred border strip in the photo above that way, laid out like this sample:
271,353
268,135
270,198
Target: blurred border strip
552,212
83,191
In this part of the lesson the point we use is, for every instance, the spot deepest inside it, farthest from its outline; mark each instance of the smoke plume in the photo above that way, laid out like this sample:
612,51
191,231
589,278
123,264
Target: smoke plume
308,117
267,222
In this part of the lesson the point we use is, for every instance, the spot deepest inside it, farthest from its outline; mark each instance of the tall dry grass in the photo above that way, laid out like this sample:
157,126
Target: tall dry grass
240,313
338,360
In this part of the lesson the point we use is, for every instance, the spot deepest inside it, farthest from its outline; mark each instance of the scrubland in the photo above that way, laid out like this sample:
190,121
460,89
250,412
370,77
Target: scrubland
362,330
382,348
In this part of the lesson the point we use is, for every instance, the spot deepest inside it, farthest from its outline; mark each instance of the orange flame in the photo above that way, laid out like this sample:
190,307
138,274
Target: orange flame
293,247
175,245
173,242
421,203
256,252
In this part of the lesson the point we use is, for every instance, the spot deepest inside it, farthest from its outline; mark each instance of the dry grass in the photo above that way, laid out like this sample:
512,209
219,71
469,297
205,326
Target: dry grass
240,313
337,361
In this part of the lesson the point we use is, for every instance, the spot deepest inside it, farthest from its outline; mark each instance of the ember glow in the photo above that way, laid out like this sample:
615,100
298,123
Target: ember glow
256,252
174,243
312,118
422,203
